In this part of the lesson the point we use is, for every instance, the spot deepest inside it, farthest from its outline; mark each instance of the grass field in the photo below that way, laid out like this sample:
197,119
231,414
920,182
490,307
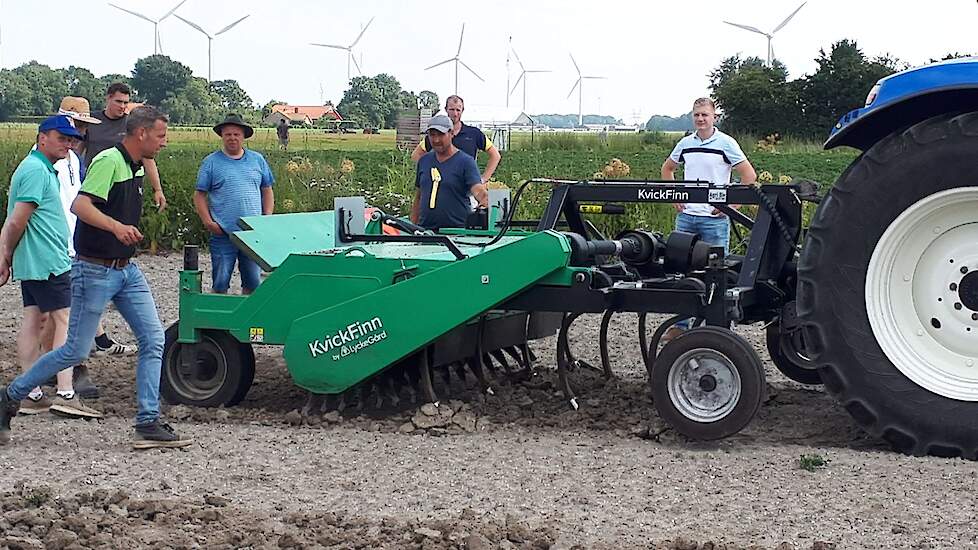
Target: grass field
319,166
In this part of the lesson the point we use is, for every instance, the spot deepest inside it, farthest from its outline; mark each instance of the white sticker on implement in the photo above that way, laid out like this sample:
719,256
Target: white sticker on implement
717,195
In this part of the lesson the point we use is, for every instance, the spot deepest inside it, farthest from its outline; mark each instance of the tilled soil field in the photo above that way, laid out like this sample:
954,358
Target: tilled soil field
519,469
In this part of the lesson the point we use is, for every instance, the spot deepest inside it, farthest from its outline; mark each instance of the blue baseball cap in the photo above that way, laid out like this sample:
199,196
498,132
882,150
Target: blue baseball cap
62,124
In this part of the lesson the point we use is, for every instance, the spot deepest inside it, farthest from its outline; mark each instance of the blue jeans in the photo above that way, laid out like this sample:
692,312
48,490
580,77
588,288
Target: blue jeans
713,230
223,256
92,287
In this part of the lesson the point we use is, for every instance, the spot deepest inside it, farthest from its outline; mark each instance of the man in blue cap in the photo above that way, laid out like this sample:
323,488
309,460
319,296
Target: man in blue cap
444,180
34,248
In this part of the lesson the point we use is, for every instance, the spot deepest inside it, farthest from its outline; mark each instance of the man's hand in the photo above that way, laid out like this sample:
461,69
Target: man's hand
678,206
159,199
4,271
127,234
213,227
718,213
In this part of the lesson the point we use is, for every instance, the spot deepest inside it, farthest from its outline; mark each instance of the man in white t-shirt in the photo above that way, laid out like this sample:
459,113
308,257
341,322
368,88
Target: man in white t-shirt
71,172
706,155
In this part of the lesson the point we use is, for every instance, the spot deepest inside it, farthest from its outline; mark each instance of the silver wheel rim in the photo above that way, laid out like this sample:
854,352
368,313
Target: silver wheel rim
704,385
920,293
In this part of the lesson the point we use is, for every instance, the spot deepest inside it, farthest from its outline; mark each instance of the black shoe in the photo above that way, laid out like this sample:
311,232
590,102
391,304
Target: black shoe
83,384
8,410
157,435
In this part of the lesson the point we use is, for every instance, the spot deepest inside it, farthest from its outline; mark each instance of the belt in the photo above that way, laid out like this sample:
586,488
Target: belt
114,263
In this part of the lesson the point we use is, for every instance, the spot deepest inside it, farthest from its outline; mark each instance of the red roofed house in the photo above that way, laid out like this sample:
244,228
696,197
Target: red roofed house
302,114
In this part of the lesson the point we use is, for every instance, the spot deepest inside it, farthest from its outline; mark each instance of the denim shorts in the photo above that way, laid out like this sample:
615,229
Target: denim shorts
50,295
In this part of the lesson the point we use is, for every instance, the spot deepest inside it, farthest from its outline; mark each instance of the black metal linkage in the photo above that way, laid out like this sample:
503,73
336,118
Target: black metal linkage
344,237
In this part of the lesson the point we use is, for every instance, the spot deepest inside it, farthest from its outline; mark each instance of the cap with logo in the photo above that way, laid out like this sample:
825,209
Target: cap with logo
62,124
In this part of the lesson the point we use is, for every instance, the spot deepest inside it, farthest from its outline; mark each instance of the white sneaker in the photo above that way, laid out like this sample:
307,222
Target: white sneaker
116,349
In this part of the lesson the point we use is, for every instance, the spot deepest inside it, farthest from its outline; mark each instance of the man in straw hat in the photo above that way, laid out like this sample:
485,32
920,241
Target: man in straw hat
71,172
232,183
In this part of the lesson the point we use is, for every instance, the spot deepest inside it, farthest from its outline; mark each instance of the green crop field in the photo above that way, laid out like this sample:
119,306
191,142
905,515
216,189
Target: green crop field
319,166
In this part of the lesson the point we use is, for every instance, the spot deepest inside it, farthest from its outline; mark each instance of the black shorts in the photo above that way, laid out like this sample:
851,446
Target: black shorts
50,295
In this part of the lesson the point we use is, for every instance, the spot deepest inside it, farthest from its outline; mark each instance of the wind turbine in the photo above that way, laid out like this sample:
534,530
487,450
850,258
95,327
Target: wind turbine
457,61
579,85
770,49
523,77
210,38
349,50
157,45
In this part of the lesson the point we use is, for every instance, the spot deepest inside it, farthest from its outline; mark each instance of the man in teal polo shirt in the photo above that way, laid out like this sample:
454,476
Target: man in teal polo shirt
34,247
108,207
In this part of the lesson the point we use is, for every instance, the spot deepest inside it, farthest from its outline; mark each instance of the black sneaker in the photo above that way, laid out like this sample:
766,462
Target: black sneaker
158,435
83,384
8,410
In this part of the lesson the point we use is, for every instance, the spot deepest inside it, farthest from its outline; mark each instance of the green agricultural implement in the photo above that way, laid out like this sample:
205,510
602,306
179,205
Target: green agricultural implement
377,314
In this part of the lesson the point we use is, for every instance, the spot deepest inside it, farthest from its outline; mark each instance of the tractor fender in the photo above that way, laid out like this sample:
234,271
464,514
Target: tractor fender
903,99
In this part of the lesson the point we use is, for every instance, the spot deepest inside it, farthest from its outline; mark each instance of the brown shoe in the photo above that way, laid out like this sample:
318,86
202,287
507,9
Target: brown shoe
35,406
72,408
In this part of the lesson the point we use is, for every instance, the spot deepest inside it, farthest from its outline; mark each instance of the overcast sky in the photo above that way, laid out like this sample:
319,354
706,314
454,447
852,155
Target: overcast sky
655,54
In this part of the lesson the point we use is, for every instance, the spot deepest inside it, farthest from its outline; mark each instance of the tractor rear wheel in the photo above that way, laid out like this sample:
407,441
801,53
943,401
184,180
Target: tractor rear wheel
220,373
888,290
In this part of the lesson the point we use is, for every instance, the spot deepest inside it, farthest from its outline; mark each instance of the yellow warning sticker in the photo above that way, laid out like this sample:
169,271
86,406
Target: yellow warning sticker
256,334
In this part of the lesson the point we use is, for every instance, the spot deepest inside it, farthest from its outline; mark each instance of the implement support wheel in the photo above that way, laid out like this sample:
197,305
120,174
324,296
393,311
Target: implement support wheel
221,372
708,383
787,346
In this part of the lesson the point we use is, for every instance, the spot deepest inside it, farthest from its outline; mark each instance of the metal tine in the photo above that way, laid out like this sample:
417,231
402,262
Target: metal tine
603,344
562,363
424,370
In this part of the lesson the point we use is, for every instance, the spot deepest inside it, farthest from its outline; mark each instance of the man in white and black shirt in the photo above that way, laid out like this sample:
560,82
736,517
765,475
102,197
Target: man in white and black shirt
706,155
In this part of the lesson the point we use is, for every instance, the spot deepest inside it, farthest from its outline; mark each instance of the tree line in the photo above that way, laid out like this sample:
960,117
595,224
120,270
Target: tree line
759,99
34,90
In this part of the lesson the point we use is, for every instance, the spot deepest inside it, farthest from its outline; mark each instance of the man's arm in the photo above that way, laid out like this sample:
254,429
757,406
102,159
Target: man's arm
416,206
153,175
86,212
494,158
418,152
13,230
200,204
267,201
668,172
481,194
746,172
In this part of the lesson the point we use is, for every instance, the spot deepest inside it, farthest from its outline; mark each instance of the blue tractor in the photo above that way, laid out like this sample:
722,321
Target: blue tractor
887,301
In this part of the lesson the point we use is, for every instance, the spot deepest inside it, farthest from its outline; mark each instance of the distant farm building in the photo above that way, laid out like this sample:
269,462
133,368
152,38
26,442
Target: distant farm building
301,114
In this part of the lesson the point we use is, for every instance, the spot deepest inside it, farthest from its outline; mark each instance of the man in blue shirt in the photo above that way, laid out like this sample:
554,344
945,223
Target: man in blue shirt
445,178
232,183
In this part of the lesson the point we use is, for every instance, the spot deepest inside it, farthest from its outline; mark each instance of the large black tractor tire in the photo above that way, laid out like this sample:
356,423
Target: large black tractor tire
901,353
221,375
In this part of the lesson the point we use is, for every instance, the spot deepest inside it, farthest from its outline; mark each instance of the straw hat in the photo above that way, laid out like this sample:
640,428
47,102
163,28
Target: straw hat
77,108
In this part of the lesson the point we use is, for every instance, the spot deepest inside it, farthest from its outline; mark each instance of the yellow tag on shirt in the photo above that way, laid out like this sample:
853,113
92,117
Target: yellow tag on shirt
435,180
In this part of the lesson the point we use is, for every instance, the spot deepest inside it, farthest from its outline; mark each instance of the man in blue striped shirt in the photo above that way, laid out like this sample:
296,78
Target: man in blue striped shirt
232,183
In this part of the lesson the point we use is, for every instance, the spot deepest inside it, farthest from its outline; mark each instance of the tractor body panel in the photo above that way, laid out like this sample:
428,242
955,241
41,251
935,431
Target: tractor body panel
905,98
